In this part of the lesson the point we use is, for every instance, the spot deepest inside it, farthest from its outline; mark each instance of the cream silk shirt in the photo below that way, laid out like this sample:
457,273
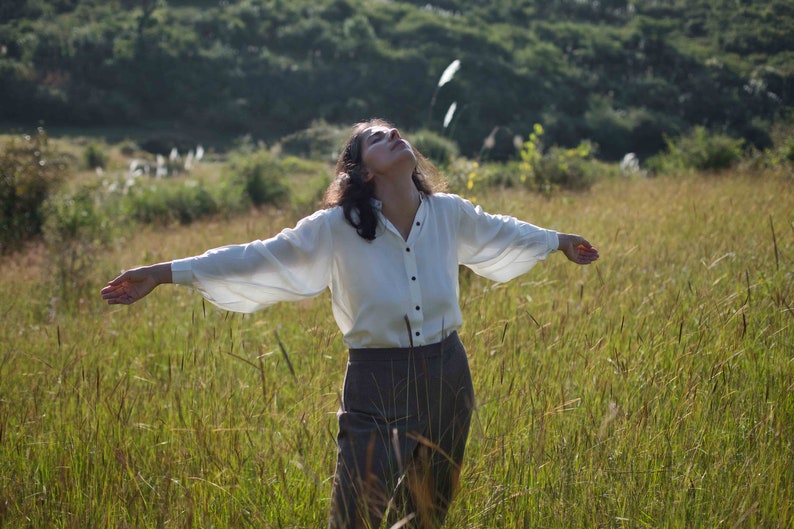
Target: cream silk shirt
375,285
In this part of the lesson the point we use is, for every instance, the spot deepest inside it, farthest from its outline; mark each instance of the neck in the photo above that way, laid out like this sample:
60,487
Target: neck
400,199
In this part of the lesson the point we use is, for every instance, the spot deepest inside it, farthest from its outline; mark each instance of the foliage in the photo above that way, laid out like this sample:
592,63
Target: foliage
94,156
462,176
261,177
778,159
320,141
787,151
470,178
622,74
29,172
700,150
556,167
620,131
173,202
437,148
306,180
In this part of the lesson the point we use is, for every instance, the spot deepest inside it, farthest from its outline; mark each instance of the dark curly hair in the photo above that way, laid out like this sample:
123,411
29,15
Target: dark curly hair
353,192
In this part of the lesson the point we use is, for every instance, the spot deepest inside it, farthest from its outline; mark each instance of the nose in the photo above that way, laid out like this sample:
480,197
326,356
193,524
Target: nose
394,134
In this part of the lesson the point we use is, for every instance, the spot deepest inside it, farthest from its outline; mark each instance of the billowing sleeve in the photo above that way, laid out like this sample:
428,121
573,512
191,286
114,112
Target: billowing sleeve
500,247
293,265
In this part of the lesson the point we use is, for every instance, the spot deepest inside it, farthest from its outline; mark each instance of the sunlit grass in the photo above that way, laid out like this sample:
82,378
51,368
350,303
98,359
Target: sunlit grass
654,389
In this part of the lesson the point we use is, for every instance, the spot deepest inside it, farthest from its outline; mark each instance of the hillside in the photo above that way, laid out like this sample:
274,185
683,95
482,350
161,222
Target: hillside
622,74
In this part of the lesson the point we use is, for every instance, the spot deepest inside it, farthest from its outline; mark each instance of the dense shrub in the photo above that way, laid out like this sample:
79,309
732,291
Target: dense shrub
94,156
468,177
620,131
700,150
565,168
29,172
308,180
787,151
320,141
439,149
167,203
557,167
261,177
292,165
779,157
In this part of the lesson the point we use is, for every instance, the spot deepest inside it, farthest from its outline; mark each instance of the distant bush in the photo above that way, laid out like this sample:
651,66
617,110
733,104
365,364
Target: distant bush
779,157
786,151
620,131
320,141
468,178
167,203
94,156
439,149
261,177
700,150
292,165
557,167
29,173
129,148
565,168
308,180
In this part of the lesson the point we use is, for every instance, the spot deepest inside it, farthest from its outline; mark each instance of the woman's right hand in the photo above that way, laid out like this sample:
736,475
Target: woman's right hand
136,283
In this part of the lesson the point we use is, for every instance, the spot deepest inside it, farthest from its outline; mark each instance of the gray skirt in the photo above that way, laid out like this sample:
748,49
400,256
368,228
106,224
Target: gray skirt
403,426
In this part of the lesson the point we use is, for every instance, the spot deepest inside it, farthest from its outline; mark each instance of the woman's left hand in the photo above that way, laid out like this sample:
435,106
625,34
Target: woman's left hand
577,249
135,284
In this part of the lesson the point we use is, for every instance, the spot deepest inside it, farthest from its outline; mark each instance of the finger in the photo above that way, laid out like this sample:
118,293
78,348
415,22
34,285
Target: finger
120,301
110,288
111,295
120,279
120,298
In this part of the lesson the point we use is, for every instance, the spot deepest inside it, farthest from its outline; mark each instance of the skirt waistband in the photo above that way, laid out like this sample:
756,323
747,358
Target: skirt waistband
400,353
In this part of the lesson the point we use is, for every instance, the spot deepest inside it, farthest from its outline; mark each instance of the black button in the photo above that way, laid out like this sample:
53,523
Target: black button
418,223
417,307
407,249
413,278
417,333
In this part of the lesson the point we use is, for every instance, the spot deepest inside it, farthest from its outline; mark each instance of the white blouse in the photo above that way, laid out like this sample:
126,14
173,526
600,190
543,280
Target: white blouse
378,285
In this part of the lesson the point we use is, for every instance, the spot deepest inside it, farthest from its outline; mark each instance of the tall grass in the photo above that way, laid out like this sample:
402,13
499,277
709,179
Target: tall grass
653,389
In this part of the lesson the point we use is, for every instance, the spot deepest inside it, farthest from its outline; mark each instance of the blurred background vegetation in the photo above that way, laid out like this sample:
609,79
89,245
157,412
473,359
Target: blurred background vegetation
623,74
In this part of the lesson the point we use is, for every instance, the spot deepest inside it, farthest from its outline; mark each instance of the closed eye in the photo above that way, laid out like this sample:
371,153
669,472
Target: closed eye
376,137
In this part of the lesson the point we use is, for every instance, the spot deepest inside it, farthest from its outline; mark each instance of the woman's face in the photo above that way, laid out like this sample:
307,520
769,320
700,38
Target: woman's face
384,151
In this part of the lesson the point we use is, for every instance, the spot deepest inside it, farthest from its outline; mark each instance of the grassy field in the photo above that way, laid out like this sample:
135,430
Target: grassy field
654,389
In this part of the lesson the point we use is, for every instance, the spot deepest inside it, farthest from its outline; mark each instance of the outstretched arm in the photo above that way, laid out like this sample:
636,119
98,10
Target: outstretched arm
136,283
577,249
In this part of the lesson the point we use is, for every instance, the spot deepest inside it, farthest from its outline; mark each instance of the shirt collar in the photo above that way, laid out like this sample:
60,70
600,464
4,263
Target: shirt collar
378,205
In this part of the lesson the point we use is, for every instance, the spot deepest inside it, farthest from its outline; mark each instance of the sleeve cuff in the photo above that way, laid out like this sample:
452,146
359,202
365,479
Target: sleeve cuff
182,271
554,241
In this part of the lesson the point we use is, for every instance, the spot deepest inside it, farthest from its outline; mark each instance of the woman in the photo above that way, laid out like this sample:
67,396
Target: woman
388,247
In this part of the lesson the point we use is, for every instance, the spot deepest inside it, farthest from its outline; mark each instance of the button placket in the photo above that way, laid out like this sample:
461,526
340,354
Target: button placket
416,316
